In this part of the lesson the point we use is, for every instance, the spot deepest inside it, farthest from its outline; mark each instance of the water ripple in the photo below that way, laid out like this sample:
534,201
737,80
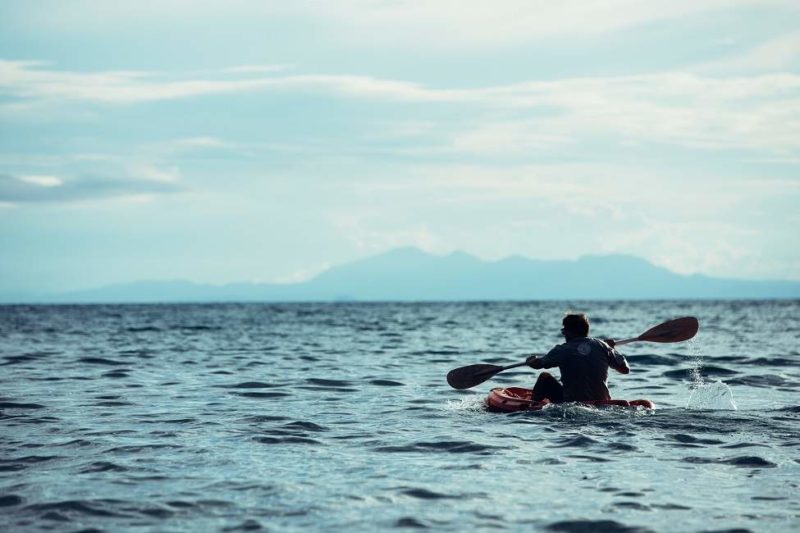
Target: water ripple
232,417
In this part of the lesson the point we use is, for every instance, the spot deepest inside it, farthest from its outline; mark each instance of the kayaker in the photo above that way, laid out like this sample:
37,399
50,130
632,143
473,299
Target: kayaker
583,361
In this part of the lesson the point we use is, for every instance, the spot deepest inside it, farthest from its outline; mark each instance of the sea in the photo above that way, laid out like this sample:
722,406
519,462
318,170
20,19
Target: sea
337,417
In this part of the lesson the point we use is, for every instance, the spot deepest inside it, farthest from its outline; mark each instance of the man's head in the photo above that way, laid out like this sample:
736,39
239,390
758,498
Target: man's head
575,326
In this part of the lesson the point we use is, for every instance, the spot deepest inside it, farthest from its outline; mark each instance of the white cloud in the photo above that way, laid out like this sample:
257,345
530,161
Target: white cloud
761,112
685,246
758,112
598,194
365,230
778,54
30,80
40,190
478,24
147,171
42,181
430,25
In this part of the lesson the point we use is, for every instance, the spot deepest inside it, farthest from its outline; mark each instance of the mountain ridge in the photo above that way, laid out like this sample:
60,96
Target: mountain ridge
410,274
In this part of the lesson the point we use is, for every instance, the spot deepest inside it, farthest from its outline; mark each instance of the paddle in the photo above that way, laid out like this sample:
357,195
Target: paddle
677,330
469,376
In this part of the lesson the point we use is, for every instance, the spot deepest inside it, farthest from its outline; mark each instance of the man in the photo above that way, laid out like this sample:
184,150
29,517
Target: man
583,362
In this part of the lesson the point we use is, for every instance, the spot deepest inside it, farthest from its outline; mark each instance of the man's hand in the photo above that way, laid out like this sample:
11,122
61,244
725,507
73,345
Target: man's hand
533,362
610,342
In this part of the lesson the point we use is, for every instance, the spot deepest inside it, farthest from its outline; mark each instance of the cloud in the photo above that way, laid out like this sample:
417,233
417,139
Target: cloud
760,112
368,230
754,113
432,26
685,246
24,189
42,181
149,172
32,80
26,79
478,24
781,53
587,190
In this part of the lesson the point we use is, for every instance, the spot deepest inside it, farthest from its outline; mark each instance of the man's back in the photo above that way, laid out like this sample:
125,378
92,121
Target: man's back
583,363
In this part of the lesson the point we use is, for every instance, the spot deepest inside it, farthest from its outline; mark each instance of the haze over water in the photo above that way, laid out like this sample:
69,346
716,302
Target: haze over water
337,416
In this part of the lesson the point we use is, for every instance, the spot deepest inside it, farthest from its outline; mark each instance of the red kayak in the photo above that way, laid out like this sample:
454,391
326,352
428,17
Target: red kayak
511,399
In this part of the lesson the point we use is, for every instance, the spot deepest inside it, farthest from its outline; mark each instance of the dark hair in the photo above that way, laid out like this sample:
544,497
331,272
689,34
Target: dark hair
576,324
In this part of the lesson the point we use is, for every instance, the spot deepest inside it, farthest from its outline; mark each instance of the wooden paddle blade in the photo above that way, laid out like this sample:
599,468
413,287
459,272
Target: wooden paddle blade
469,376
677,330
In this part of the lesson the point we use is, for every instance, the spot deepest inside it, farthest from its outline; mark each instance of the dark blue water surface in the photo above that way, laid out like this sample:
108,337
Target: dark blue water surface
338,416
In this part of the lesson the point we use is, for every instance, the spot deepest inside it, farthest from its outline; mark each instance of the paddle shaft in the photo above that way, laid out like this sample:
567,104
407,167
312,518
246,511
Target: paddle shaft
513,366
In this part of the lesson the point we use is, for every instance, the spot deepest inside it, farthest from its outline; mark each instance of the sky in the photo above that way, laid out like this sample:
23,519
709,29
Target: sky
267,141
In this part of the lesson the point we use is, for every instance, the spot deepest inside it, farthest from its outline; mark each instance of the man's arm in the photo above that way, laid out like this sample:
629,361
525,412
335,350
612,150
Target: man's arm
616,360
548,361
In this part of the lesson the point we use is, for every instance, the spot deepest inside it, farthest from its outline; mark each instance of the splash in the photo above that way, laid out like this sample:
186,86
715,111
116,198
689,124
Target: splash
469,403
715,396
707,395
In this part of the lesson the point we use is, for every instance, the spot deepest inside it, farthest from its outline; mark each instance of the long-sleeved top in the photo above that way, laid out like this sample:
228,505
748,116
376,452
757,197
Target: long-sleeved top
584,366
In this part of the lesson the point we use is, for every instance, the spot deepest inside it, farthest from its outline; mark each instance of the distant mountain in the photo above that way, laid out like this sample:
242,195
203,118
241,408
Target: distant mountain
409,274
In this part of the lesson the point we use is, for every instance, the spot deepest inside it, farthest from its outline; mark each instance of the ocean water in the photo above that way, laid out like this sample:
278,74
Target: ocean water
338,416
